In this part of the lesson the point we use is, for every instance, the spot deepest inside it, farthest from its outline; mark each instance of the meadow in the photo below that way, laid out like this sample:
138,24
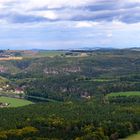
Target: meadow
14,102
133,137
127,94
50,53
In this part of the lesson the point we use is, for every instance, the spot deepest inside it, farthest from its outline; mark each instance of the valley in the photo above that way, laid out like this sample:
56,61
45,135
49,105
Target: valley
70,94
69,69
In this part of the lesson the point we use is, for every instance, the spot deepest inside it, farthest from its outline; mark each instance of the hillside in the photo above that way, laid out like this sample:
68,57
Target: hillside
101,71
71,96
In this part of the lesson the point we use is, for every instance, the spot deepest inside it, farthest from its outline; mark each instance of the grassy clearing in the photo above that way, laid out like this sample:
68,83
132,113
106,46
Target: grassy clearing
101,80
129,93
133,137
14,102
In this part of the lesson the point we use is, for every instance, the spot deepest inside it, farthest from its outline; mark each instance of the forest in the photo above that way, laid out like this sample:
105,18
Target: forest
70,95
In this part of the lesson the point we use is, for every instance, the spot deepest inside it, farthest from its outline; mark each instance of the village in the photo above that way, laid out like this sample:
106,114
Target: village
6,91
6,55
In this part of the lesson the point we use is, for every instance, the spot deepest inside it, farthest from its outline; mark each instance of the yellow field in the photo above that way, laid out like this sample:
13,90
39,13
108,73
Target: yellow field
11,58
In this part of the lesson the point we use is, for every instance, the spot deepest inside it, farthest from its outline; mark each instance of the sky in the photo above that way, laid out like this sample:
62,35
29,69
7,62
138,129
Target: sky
69,24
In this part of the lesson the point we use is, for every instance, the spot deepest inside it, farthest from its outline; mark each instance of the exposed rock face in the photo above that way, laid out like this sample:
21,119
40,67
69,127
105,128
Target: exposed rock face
51,71
54,71
3,69
72,69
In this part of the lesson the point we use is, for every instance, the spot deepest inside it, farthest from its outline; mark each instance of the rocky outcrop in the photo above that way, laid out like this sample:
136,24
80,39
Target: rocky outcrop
3,69
55,71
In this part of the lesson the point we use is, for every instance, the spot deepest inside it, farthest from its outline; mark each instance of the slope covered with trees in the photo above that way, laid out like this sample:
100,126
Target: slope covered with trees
71,120
70,95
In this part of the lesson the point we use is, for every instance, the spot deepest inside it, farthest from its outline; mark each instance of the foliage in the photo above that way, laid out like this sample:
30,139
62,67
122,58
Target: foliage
80,85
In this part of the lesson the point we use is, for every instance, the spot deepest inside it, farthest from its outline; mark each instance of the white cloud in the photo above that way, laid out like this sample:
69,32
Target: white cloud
31,4
85,24
32,7
73,10
138,1
5,1
109,35
47,14
69,22
56,3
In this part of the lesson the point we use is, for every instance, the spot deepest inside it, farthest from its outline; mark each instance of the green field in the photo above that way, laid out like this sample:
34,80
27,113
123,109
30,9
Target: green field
50,53
14,102
133,137
129,93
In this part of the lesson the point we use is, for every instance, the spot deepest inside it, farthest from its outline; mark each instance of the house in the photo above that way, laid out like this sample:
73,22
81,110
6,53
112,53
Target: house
2,105
86,95
19,90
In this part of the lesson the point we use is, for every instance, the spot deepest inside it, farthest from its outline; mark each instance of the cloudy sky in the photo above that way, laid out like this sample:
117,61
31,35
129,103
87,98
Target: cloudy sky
62,24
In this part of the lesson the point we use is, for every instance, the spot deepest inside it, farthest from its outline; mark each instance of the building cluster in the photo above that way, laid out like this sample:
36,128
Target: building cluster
7,89
5,54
